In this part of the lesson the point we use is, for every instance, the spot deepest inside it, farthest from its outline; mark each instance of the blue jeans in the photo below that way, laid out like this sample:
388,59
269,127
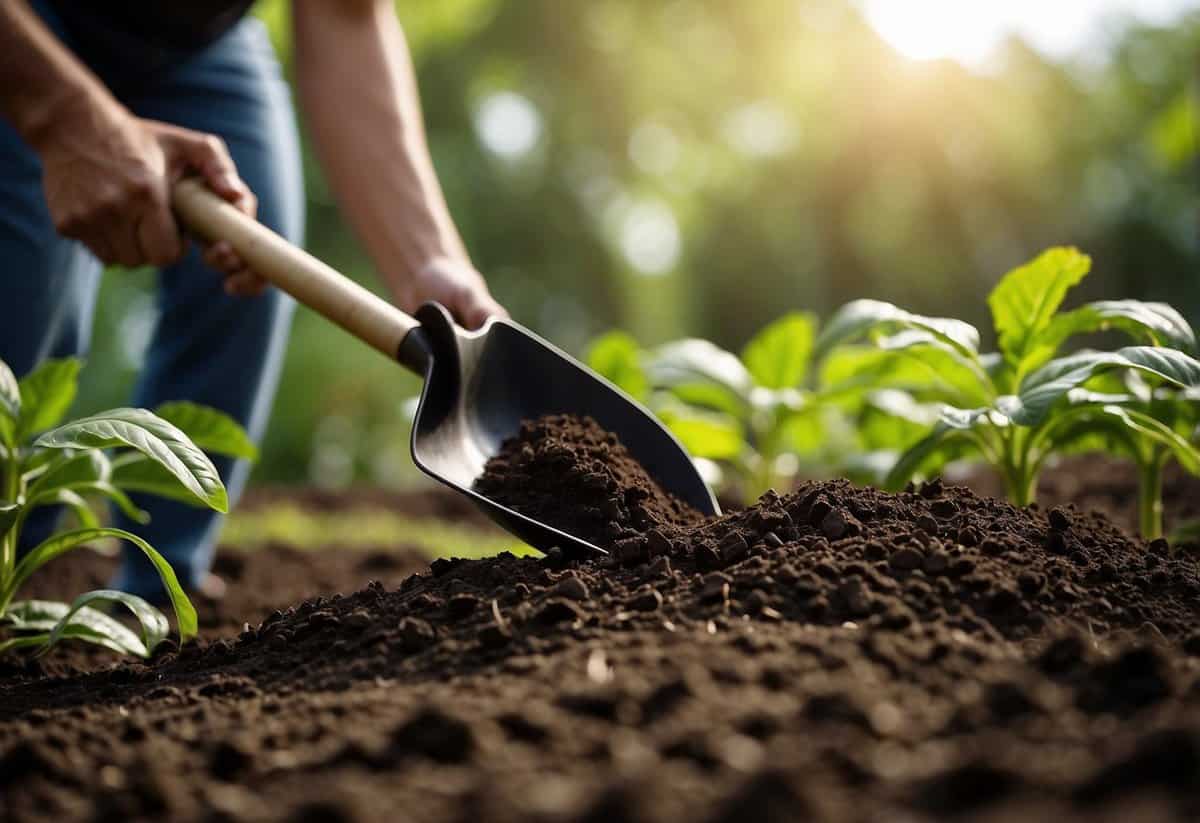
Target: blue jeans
208,348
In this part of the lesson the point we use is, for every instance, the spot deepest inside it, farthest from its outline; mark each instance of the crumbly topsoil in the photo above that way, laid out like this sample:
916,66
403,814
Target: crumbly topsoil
832,654
568,472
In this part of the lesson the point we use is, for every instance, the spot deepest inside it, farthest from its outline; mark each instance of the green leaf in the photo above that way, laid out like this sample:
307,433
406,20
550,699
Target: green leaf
697,361
1156,324
1026,299
46,394
143,475
62,543
1049,384
153,437
712,436
777,357
616,357
867,318
711,396
210,429
153,623
87,624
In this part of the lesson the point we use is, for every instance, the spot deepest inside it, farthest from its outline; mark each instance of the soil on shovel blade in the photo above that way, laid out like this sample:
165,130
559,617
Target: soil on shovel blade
835,654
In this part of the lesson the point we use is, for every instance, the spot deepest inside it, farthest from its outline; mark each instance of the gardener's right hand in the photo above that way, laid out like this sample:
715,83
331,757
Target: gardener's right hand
108,176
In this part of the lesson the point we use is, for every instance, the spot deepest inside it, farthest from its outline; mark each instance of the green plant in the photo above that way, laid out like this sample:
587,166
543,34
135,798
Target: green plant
1017,407
763,417
101,457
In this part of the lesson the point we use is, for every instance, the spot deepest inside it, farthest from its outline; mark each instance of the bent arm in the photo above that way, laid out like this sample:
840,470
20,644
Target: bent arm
41,82
359,95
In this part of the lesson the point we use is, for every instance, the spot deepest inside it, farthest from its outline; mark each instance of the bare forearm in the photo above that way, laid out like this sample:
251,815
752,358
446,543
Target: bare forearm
41,82
359,94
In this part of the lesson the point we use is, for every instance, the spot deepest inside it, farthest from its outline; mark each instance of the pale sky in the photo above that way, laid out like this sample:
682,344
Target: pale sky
969,30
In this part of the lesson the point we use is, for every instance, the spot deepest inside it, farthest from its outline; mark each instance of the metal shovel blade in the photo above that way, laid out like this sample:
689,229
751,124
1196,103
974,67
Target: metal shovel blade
480,385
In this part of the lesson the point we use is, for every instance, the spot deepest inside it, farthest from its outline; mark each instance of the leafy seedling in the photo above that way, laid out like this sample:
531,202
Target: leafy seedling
1017,407
44,462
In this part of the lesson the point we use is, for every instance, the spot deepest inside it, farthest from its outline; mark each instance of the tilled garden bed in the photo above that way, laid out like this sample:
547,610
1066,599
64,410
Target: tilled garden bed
836,653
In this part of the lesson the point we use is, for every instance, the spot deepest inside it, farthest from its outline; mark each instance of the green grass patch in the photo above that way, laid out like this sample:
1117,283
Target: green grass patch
362,528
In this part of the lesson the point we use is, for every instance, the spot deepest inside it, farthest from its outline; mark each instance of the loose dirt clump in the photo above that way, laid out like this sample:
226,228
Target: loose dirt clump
833,654
570,473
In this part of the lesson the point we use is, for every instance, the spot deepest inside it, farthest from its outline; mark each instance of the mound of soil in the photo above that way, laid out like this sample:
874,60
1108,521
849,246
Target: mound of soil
833,654
570,473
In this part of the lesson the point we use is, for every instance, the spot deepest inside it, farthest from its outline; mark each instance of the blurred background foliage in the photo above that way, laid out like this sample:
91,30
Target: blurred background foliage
701,167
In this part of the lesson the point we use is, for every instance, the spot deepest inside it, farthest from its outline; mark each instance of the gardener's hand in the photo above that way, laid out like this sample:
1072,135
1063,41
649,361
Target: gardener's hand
457,286
108,176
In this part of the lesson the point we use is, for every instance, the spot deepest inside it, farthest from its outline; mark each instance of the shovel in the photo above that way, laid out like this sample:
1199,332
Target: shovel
479,385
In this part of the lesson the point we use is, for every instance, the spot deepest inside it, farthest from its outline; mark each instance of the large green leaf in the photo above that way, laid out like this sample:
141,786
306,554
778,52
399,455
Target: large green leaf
46,394
139,474
1026,299
62,543
153,623
211,429
87,624
1153,323
869,318
153,437
777,357
711,396
617,357
713,436
694,361
1049,384
929,370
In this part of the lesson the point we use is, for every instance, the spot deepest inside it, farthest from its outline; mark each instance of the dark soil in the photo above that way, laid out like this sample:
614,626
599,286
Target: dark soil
570,473
834,654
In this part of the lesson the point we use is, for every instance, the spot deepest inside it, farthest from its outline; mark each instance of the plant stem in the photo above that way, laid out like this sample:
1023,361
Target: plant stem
8,544
1150,507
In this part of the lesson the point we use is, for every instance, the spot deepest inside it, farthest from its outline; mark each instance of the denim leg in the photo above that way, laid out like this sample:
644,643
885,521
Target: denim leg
48,286
225,352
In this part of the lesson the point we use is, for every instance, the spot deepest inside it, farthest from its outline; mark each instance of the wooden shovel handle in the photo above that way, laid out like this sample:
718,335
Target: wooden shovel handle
364,314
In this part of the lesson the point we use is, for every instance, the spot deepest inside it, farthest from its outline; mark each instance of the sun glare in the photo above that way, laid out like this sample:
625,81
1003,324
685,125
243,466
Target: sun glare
970,30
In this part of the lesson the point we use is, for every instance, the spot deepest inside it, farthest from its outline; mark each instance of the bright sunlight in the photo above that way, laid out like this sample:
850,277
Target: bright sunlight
969,30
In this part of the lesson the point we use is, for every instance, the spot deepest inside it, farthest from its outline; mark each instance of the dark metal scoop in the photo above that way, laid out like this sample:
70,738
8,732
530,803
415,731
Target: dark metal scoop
479,386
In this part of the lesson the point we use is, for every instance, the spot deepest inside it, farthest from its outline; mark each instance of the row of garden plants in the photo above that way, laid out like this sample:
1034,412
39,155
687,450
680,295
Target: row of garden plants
78,467
883,395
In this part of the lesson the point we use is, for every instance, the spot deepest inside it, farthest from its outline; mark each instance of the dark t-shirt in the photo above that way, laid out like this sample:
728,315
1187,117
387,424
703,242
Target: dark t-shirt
127,41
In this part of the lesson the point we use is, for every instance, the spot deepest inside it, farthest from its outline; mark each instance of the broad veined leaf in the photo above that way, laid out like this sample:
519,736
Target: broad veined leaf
712,436
62,543
617,357
1153,323
1026,299
930,373
210,429
46,394
10,402
153,437
778,356
139,474
865,318
693,360
1049,384
153,623
87,624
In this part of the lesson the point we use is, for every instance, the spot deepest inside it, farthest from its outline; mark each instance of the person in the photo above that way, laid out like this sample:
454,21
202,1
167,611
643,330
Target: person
104,105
